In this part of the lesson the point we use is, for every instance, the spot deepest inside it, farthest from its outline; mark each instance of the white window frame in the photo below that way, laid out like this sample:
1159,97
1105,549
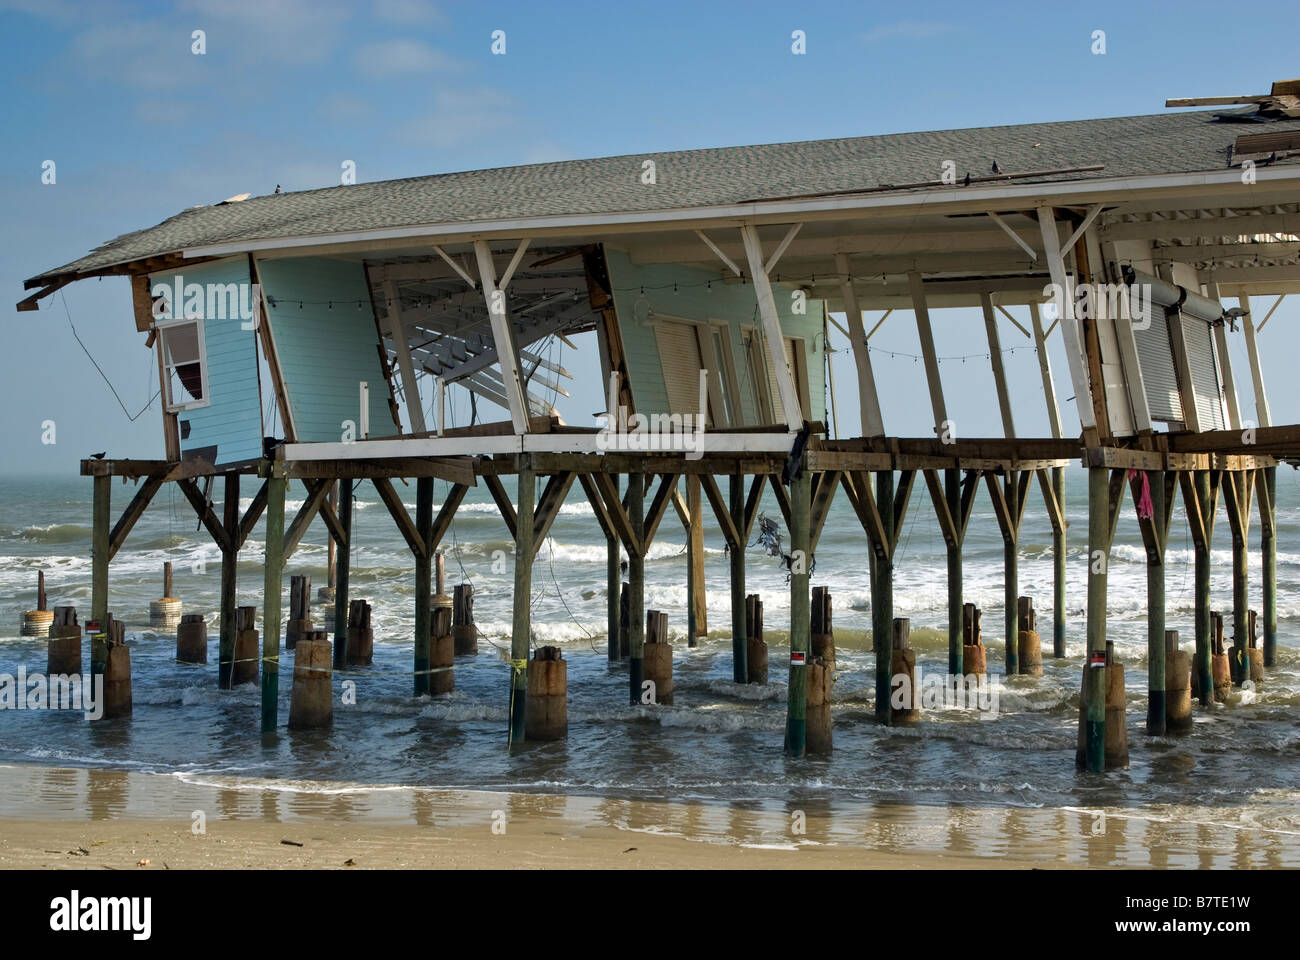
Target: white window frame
168,367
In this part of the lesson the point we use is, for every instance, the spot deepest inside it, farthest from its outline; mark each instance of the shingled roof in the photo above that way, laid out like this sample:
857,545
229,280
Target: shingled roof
1165,143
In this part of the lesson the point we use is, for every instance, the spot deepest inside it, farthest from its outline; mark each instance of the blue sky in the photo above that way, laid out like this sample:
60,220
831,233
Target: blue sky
140,128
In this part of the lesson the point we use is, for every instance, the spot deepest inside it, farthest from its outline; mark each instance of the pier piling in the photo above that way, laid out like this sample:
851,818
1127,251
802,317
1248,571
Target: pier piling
548,716
903,660
192,639
165,614
311,703
63,654
36,623
1178,687
755,647
796,724
464,632
658,658
361,638
1029,654
246,652
521,625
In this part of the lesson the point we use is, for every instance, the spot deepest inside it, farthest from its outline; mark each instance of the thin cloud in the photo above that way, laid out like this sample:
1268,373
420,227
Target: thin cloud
407,11
389,58
908,30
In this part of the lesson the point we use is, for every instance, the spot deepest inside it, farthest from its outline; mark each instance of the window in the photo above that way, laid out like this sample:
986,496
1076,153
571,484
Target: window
724,399
762,371
185,369
686,348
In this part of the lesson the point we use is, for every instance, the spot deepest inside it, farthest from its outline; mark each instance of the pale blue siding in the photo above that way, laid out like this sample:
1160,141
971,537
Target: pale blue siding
671,290
326,344
232,420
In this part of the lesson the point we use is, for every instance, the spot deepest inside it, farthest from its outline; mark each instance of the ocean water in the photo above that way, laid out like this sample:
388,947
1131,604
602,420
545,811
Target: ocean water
720,744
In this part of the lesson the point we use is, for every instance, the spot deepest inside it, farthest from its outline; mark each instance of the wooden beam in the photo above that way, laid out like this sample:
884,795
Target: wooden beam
597,505
722,513
446,513
822,499
658,506
252,515
410,387
771,321
618,513
922,311
206,514
397,510
871,421
548,506
782,499
1074,352
752,501
503,501
504,337
999,372
134,510
317,491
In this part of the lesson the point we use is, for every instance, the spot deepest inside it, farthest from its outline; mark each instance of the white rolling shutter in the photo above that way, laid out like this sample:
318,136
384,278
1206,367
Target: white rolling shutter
773,390
679,357
1206,388
1156,359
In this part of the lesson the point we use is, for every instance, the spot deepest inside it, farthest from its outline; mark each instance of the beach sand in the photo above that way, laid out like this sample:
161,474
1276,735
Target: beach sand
68,818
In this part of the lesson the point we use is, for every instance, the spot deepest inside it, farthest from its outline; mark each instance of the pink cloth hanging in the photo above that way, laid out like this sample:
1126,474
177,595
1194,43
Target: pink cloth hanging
1146,510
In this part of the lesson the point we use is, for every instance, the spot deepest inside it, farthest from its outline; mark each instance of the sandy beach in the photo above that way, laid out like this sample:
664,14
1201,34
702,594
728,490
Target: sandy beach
75,818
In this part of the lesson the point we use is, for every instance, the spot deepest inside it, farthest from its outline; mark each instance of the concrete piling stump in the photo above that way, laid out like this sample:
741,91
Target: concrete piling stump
464,632
658,656
165,614
63,656
192,639
361,638
248,650
36,623
1178,685
299,609
117,672
1029,657
903,675
546,716
974,655
311,704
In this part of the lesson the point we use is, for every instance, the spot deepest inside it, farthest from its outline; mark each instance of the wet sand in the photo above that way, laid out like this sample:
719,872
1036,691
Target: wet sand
75,818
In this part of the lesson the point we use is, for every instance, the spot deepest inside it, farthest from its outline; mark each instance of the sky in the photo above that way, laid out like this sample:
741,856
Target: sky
140,127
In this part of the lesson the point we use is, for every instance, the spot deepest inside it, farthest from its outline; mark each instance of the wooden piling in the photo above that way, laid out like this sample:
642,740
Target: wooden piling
1093,706
1058,566
63,650
1155,536
423,585
442,652
99,555
1203,679
117,672
273,579
903,664
696,603
755,647
165,614
882,596
311,704
464,632
343,575
796,723
624,622
1178,686
299,610
974,653
229,583
1239,486
326,593
636,587
192,639
521,624
823,636
1267,485
1114,730
736,555
658,658
361,638
548,709
953,540
616,598
246,653
36,623
1220,666
1254,653
1029,655
818,739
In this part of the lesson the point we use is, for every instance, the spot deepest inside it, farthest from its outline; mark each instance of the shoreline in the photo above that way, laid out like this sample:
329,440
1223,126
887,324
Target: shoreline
94,818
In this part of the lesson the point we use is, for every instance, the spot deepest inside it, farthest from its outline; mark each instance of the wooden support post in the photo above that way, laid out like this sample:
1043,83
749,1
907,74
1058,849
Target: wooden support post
1075,356
1205,511
636,586
772,336
800,612
344,561
229,568
423,585
1058,565
882,596
273,571
1267,484
613,588
99,556
922,311
331,567
1009,506
999,372
521,626
903,666
696,605
1238,492
872,424
736,552
952,494
1094,682
1157,646
755,647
